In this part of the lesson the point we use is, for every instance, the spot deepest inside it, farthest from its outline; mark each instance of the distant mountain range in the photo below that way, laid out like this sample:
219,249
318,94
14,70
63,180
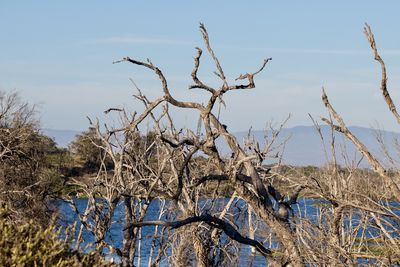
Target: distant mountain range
303,144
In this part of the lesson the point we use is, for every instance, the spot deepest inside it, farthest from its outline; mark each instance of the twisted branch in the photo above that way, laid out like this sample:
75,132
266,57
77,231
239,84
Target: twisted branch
216,222
370,37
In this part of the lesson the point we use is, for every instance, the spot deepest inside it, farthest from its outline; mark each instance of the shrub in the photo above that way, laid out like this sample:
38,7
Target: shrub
29,244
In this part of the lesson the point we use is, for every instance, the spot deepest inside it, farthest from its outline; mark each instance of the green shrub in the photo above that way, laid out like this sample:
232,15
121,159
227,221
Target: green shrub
29,244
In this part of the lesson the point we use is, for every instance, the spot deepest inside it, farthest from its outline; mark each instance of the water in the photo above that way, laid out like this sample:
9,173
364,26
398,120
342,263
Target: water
306,208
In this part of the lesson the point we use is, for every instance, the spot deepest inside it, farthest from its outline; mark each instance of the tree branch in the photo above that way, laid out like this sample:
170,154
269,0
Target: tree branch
221,177
220,73
168,96
370,37
378,168
228,229
197,83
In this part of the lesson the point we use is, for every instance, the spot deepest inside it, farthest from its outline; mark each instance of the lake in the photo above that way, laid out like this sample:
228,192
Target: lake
308,208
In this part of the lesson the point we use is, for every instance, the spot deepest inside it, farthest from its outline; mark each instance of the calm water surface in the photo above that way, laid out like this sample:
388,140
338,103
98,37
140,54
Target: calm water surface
306,208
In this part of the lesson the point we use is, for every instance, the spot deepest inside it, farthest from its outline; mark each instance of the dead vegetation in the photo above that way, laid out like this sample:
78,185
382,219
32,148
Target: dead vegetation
352,222
347,216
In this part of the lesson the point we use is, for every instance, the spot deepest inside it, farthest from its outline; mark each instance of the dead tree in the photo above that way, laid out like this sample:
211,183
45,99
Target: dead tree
349,199
182,167
341,127
239,171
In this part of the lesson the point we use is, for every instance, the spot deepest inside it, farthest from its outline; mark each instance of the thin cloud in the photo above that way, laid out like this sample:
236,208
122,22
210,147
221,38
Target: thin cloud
349,52
298,51
391,52
140,40
335,51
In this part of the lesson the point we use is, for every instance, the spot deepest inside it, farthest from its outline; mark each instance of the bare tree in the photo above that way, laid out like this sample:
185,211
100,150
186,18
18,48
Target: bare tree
392,182
184,170
177,165
240,170
370,207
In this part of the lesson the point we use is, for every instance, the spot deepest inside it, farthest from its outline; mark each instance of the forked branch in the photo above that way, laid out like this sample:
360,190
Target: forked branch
220,72
164,83
342,128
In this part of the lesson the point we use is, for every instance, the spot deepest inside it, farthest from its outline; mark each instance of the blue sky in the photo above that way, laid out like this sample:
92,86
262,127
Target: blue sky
59,54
